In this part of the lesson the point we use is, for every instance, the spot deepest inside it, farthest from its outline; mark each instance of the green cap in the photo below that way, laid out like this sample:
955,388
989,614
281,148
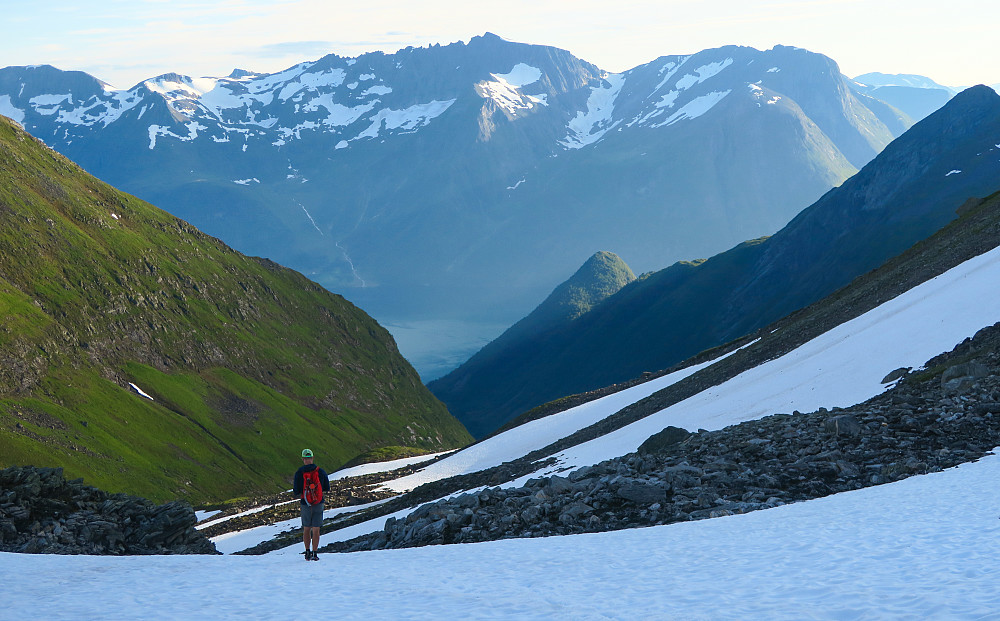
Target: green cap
307,453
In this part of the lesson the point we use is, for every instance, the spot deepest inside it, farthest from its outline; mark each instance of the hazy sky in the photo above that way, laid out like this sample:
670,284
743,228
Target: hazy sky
126,41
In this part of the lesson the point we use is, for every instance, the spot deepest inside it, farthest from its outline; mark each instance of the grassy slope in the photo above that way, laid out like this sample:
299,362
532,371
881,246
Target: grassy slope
247,361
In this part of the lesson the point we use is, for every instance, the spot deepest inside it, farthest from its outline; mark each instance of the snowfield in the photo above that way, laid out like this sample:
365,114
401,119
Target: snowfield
925,547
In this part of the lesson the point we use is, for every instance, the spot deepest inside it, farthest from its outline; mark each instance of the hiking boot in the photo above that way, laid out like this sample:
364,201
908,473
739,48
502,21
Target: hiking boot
315,557
309,555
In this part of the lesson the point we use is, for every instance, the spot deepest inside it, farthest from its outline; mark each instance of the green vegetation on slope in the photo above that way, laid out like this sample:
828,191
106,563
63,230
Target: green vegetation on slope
246,361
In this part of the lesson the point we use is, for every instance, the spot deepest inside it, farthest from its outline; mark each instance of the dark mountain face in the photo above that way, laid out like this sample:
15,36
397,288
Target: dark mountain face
904,195
465,181
148,357
603,275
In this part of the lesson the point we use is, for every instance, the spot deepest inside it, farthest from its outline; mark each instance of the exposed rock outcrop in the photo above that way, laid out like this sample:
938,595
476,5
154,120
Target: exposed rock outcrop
42,512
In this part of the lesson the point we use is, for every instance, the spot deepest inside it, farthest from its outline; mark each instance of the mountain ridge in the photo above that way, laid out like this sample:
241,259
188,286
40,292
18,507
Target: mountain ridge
902,196
436,175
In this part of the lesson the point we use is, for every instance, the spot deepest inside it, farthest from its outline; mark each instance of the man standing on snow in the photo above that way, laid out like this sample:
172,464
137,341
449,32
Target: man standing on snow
308,486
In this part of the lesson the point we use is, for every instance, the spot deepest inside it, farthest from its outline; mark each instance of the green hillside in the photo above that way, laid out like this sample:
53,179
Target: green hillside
246,361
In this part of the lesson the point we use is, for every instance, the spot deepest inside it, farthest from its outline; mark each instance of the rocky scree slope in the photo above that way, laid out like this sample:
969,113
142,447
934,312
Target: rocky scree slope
905,194
42,512
240,362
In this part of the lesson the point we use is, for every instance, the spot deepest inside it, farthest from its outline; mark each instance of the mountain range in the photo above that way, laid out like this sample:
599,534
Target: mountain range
909,191
915,95
148,357
464,181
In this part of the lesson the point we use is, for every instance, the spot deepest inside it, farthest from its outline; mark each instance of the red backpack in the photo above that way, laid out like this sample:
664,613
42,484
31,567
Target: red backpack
312,489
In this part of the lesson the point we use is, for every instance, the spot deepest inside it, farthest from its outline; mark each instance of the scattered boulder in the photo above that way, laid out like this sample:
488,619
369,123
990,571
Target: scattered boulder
845,425
642,493
896,375
662,440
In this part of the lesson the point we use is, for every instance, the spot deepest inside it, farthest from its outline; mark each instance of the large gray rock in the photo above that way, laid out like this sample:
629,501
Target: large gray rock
844,425
643,493
663,440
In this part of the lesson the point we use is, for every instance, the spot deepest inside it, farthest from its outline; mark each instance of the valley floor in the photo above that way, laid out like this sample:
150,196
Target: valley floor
925,547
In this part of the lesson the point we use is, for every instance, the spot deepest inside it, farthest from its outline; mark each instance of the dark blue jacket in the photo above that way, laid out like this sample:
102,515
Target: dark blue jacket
324,479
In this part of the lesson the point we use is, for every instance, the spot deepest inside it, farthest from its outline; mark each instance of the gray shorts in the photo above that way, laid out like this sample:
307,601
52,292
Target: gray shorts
312,515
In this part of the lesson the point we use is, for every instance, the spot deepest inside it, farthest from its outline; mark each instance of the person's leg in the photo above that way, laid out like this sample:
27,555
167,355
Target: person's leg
315,538
305,528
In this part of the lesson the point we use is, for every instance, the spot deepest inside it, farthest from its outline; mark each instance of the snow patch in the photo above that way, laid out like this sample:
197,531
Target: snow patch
8,109
246,181
140,391
694,108
669,70
504,89
408,119
507,97
954,172
204,515
50,100
701,74
590,126
241,540
313,81
160,130
384,466
338,115
521,75
378,89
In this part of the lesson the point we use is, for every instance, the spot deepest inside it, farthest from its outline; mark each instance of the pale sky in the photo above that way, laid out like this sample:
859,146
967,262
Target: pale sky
125,41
